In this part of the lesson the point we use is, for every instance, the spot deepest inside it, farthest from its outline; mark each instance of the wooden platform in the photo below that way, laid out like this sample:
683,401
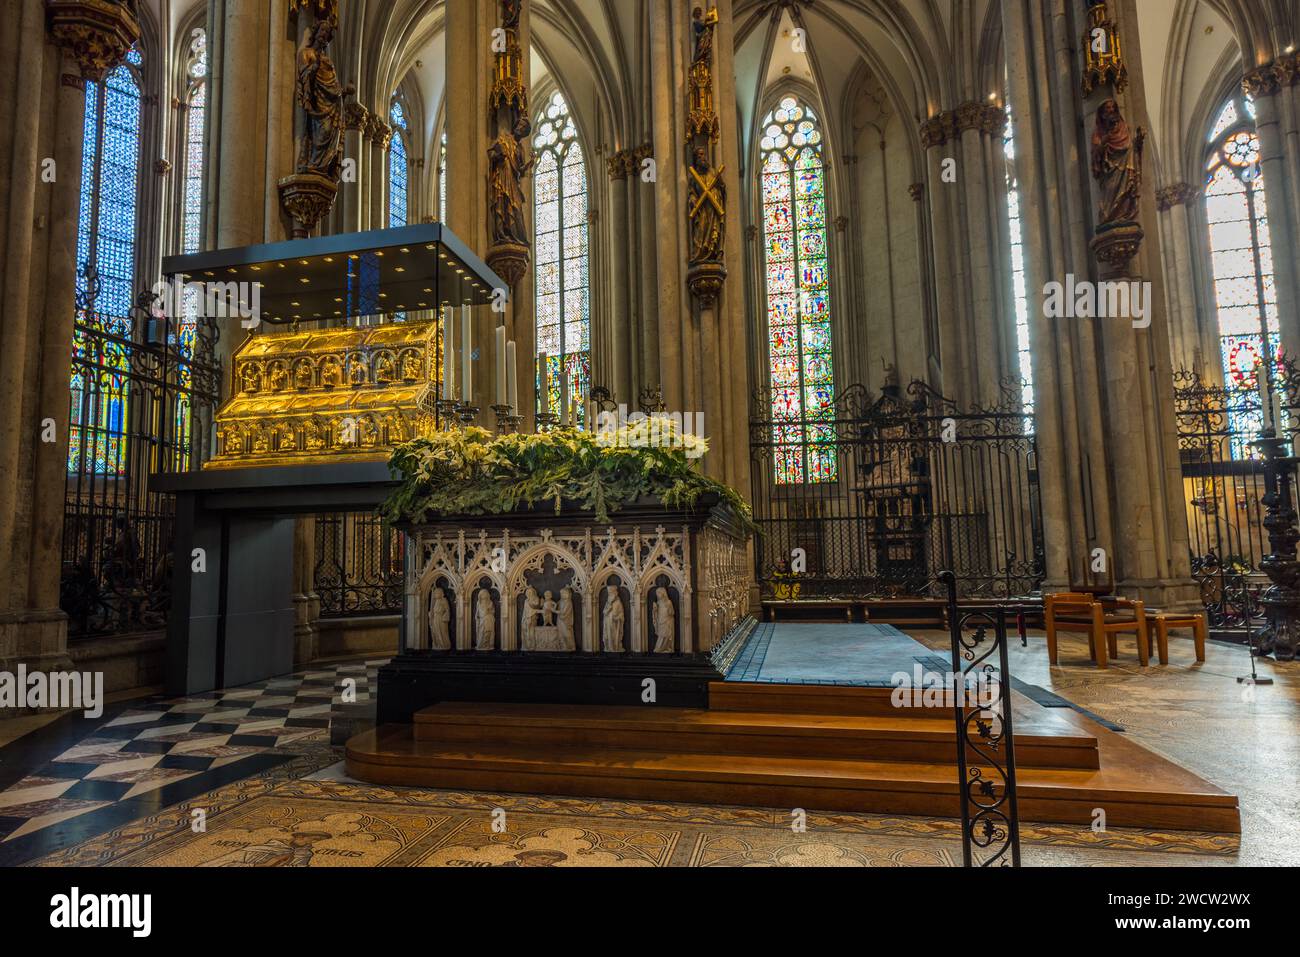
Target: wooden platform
811,746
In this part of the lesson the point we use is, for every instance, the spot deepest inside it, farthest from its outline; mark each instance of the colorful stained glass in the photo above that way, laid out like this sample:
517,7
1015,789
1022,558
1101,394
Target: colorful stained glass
1018,284
800,357
398,169
442,178
560,213
106,244
1241,256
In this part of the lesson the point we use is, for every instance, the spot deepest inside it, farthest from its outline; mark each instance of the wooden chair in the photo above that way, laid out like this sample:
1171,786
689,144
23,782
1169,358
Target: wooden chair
1163,621
1101,620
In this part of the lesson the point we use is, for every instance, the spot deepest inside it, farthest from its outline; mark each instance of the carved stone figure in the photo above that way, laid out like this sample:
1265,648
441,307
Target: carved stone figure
1117,166
507,169
702,27
410,367
510,10
564,620
321,95
330,374
302,375
250,380
708,210
611,626
485,622
385,369
439,621
665,620
528,621
548,609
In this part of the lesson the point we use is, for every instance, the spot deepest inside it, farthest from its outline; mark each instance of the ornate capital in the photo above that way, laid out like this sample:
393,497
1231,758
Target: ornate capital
1272,77
98,34
971,115
621,165
1176,194
356,118
938,129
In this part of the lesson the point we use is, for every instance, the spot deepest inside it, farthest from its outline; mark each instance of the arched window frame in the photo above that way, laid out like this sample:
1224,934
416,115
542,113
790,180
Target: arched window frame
1019,286
191,147
399,165
1242,289
568,349
804,433
103,450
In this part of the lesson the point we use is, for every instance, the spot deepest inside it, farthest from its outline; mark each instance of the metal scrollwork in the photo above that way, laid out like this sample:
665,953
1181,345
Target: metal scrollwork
986,760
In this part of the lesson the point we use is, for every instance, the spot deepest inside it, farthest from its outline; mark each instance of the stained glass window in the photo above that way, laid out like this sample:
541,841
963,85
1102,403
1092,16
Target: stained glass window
1241,252
194,160
398,168
106,237
563,306
798,295
1020,294
442,178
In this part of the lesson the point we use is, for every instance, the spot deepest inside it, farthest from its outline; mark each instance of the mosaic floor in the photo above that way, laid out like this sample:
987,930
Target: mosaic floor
247,778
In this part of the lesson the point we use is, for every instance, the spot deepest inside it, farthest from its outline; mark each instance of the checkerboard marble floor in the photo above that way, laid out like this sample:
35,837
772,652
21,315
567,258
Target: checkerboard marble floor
80,775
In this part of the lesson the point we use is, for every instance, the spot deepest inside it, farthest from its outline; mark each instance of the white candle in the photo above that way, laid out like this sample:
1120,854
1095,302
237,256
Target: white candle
466,357
564,394
448,355
512,379
544,385
501,365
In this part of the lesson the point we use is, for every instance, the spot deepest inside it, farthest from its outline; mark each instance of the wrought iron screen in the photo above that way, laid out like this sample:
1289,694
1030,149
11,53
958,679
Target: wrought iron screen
358,568
920,486
1223,486
143,392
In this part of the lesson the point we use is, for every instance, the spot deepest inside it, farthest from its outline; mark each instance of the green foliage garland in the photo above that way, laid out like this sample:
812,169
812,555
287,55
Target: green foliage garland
474,472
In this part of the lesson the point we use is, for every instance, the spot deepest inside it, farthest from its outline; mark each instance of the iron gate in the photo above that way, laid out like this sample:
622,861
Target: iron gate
877,496
359,565
1223,486
143,391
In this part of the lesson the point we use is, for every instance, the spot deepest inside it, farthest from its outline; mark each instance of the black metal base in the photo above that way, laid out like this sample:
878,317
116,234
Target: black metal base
416,680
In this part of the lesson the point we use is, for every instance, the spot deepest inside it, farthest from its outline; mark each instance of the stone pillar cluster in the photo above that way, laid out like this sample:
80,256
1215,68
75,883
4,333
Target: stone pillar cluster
1108,457
966,172
49,52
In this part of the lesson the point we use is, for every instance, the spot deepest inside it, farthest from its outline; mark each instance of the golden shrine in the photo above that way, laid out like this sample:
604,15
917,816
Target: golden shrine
302,396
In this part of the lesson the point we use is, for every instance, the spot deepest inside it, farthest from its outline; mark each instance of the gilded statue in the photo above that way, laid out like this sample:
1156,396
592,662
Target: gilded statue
708,211
321,96
702,27
507,169
510,10
1117,166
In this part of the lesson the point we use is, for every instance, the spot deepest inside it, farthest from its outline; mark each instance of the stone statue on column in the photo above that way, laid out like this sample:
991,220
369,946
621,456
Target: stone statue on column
707,206
308,195
1117,169
439,621
510,250
485,625
665,622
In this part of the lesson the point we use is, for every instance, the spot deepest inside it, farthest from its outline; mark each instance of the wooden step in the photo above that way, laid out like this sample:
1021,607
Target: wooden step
646,728
812,699
393,756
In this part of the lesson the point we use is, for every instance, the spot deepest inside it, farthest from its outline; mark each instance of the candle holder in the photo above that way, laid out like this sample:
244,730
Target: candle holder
447,413
546,421
467,414
503,418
